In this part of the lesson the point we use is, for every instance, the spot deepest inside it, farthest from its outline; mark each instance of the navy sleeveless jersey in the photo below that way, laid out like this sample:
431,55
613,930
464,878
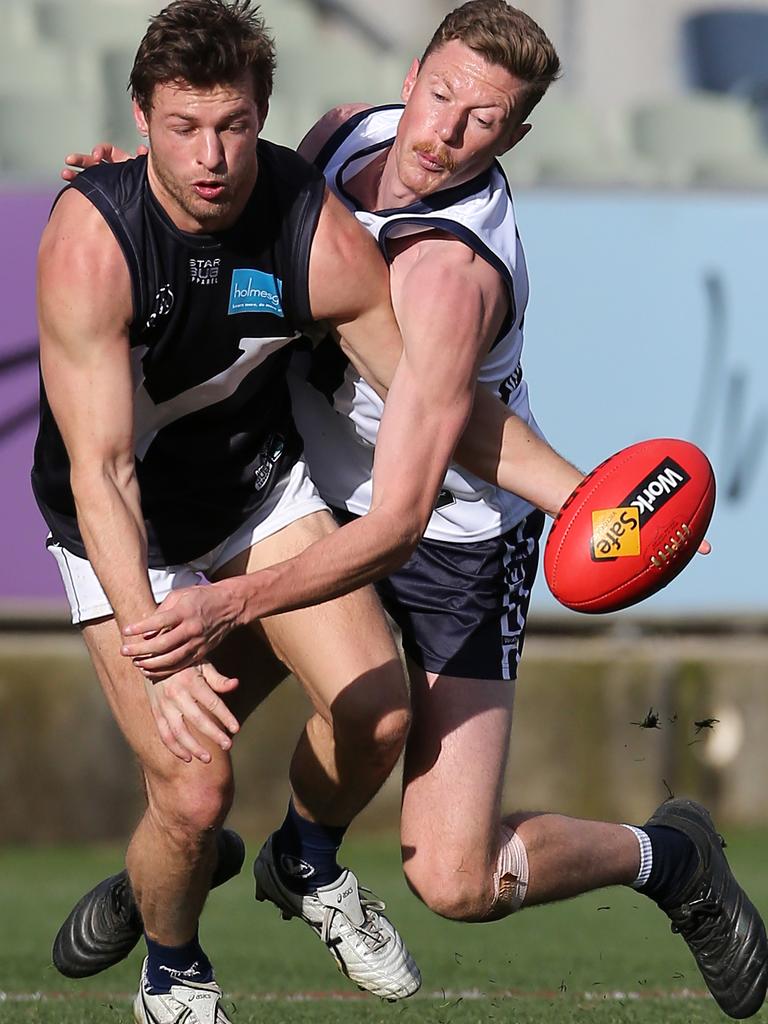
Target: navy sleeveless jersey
213,318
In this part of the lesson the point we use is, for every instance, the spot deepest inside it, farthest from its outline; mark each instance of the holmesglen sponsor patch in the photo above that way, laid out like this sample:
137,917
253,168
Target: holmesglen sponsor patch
254,291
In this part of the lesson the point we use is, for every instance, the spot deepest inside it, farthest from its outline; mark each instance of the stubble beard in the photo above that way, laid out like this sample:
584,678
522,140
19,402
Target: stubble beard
208,214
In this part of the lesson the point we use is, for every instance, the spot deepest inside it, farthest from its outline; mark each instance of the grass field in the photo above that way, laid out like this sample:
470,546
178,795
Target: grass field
606,957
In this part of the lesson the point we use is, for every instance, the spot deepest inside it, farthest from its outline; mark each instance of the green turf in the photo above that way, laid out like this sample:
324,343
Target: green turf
560,963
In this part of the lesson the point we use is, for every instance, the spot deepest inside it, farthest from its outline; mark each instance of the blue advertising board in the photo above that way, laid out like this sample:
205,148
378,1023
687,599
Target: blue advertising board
647,318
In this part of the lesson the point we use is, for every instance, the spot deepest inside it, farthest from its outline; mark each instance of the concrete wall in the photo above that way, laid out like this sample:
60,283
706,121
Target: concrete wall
577,745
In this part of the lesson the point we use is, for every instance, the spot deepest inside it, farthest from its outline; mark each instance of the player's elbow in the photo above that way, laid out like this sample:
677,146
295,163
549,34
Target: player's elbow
406,524
93,473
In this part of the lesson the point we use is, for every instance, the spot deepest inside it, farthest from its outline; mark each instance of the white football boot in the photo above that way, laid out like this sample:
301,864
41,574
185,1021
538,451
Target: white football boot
189,1002
348,919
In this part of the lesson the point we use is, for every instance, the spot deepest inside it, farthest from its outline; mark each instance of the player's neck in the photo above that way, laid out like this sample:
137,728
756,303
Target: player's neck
377,186
392,193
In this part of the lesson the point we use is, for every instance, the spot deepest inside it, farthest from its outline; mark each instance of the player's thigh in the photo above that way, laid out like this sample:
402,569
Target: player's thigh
246,655
342,651
125,690
453,775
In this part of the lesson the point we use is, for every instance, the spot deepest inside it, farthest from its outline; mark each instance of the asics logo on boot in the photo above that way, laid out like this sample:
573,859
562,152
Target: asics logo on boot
347,892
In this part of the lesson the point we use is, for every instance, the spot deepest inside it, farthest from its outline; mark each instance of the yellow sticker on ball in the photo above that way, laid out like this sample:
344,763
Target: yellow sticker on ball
615,532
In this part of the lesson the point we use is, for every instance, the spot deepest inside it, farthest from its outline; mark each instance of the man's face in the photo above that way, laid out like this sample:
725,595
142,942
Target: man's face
202,151
459,116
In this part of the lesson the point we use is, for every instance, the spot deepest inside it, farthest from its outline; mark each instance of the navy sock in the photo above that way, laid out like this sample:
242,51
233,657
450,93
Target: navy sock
173,965
675,859
305,852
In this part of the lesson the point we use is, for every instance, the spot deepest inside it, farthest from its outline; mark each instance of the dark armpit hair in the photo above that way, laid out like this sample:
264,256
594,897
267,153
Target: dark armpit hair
204,43
505,36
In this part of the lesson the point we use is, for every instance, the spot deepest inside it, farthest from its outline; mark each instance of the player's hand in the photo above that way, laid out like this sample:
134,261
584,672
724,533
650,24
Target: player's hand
191,698
182,631
103,153
704,548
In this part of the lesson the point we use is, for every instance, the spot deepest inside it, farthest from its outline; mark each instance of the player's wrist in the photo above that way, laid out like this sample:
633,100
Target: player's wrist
248,596
568,483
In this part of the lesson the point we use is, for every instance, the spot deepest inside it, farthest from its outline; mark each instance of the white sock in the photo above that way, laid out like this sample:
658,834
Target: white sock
646,856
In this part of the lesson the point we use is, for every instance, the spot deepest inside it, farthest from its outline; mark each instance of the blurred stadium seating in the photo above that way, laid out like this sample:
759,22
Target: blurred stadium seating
64,67
703,139
725,51
571,144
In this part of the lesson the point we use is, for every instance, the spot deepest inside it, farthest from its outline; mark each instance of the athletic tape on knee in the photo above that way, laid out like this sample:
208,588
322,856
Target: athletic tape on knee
510,879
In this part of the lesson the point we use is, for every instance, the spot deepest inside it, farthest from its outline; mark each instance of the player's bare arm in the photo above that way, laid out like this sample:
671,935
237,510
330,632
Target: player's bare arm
500,447
450,306
322,130
85,361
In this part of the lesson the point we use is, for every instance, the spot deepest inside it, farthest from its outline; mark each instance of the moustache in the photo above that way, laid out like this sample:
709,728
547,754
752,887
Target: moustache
439,153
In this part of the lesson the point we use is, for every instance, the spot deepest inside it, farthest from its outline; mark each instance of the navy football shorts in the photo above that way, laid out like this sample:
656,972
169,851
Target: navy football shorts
462,608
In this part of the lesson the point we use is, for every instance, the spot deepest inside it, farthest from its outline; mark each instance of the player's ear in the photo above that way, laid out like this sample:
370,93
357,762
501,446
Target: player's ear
517,135
141,120
410,80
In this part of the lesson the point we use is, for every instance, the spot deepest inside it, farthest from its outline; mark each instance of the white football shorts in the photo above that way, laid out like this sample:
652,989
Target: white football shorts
293,498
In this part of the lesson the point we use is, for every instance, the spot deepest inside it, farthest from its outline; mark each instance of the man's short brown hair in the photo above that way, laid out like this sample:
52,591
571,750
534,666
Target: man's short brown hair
204,43
505,36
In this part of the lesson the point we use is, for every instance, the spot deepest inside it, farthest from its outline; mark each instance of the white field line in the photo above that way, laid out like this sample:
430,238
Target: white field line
445,996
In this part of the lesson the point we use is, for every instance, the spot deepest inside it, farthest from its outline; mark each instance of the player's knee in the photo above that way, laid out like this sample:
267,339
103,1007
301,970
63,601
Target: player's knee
191,806
378,726
454,891
390,730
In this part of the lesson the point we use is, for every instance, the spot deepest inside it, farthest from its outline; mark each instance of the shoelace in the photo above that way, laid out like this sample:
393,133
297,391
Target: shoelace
691,913
371,935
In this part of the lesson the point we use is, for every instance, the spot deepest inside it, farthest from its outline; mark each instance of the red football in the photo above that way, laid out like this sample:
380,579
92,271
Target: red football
631,526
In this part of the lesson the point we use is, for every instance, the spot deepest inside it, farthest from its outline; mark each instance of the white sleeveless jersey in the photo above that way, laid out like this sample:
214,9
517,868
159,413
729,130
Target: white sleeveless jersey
339,437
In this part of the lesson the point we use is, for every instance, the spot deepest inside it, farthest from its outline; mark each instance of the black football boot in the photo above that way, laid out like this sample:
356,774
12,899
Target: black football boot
713,914
105,924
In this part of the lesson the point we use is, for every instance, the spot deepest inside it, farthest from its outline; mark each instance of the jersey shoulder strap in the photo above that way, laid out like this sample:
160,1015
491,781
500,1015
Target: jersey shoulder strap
343,132
299,190
118,191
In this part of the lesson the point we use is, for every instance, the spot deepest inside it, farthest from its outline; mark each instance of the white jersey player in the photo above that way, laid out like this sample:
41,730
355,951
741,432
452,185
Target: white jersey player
339,439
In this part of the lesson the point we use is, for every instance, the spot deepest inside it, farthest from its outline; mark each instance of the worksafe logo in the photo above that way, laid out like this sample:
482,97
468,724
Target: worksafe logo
253,291
615,533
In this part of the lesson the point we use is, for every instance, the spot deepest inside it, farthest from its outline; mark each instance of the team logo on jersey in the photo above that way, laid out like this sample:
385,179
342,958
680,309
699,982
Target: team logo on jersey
615,533
162,306
204,271
253,291
268,458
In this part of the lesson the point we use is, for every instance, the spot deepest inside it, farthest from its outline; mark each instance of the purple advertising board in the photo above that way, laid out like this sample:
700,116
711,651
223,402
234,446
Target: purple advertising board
27,572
